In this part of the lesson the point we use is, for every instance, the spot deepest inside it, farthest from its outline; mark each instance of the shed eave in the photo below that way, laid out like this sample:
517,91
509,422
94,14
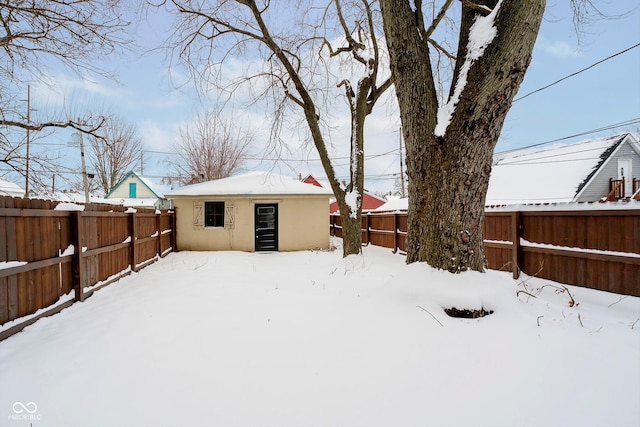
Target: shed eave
248,196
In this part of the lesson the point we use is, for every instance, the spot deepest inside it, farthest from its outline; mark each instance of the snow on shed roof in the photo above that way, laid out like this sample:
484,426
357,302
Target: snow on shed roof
8,188
551,174
253,183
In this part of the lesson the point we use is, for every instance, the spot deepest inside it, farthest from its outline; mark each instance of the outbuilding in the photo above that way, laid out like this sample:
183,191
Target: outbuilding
258,211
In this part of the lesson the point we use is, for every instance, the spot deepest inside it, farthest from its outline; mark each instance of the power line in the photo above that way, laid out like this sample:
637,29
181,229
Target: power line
548,156
306,160
544,162
601,129
578,72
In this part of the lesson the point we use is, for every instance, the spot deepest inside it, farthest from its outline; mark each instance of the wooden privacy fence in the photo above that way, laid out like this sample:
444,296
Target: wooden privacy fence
598,249
45,253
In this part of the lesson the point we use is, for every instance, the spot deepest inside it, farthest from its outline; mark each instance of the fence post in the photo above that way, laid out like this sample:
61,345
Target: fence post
159,233
174,231
132,247
395,232
331,231
77,239
516,258
368,222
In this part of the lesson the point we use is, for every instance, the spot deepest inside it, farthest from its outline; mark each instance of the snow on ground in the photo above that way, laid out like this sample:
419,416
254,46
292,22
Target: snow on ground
311,339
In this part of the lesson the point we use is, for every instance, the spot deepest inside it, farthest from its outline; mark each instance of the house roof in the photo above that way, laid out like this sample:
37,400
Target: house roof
552,174
251,184
145,181
8,188
310,179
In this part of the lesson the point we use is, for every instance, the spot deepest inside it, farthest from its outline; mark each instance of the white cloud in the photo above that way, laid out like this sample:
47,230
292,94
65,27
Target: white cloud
62,96
63,86
157,137
558,48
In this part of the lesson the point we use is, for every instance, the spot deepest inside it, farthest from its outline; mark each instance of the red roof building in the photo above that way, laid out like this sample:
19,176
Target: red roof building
369,201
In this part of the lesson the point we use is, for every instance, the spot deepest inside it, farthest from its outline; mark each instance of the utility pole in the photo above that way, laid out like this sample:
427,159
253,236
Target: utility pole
84,167
402,193
142,162
26,174
85,182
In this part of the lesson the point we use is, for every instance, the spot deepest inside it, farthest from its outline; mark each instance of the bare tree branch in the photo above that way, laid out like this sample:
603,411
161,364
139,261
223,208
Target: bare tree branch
585,12
482,9
115,153
35,33
71,32
210,148
438,19
80,127
442,49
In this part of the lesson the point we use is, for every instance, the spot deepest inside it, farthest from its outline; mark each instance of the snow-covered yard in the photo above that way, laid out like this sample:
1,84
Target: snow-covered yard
311,339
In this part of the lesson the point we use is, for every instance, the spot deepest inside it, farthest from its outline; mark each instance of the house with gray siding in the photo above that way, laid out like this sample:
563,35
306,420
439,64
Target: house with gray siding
600,169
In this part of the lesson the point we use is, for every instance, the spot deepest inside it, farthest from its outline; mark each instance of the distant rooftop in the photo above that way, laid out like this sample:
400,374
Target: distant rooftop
8,188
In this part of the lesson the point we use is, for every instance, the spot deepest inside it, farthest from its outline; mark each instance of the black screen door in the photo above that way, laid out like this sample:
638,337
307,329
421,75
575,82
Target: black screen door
266,222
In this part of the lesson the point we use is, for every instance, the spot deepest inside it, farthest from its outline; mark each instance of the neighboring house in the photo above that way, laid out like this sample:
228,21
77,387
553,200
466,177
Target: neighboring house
258,211
8,188
593,170
369,201
136,191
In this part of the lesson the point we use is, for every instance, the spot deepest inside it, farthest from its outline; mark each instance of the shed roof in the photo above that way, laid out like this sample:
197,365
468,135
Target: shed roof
552,174
251,184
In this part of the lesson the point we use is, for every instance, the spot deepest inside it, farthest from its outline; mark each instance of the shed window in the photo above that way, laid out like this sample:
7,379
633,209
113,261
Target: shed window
214,214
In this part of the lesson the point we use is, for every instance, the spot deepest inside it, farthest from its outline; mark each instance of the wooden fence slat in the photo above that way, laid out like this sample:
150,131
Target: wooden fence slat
132,246
4,285
105,249
12,255
174,230
77,239
515,241
158,233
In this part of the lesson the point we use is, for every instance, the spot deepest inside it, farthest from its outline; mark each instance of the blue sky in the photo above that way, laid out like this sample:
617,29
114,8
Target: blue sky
606,94
147,94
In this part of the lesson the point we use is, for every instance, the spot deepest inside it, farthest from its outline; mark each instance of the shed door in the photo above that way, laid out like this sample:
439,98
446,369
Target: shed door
624,170
266,221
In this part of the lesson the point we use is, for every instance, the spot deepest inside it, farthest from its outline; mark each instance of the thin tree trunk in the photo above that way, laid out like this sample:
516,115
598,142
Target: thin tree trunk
351,234
449,173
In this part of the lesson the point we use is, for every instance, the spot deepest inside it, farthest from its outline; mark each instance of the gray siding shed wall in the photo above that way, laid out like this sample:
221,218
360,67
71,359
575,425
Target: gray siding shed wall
599,186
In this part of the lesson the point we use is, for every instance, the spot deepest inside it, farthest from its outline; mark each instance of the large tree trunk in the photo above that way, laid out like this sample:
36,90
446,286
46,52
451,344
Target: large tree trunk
449,171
